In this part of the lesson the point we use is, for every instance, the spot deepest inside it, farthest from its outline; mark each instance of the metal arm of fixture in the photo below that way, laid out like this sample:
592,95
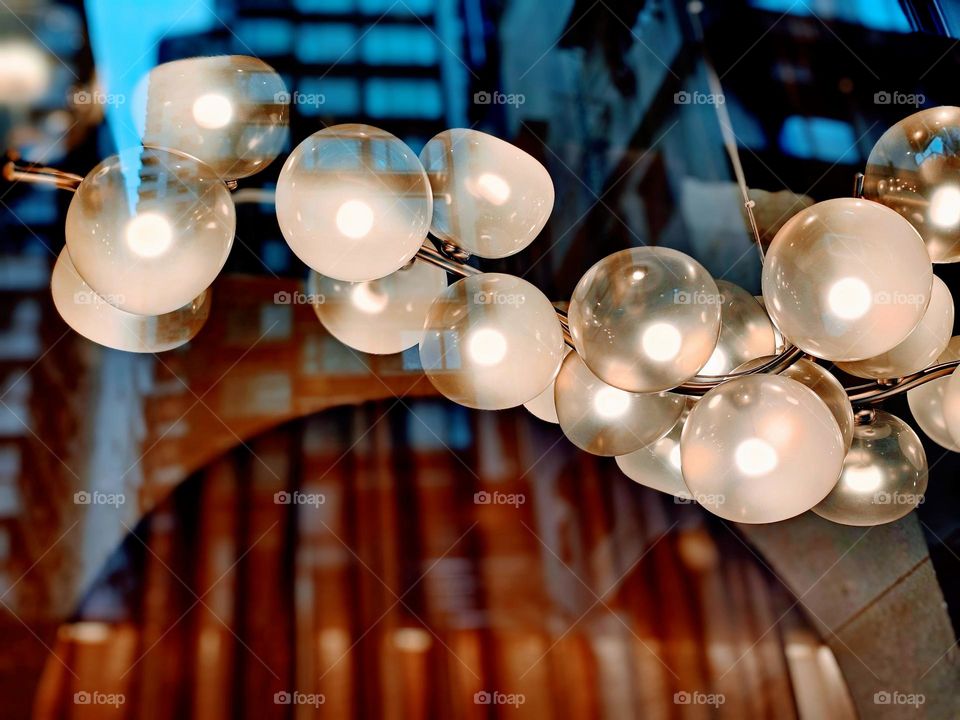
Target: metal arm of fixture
453,260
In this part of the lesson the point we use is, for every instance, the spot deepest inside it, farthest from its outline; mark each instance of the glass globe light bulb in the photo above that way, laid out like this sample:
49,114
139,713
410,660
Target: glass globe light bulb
490,198
543,406
884,475
354,203
645,319
847,279
378,316
658,465
914,169
951,405
604,420
231,112
919,349
760,449
746,331
149,230
926,402
97,320
491,341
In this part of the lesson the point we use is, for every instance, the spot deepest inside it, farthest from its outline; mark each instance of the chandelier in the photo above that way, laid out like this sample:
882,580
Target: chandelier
695,386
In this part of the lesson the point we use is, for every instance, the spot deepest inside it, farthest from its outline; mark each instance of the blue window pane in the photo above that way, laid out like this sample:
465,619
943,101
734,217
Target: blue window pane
325,6
403,98
879,14
327,43
329,96
411,45
819,138
379,7
265,37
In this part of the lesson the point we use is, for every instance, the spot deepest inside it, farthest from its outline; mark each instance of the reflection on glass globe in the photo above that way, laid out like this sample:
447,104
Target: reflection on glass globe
951,405
605,420
645,319
760,449
490,198
544,405
88,314
915,169
378,316
847,279
884,475
824,384
149,230
657,465
920,348
228,111
781,344
926,402
491,341
745,331
353,202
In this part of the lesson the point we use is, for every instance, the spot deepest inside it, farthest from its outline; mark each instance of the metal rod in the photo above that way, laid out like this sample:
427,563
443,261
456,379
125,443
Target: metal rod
40,175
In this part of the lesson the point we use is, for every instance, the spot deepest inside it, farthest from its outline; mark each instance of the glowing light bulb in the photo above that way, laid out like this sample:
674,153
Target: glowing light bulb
863,479
661,342
945,206
149,235
756,457
367,300
493,188
611,403
487,347
212,111
674,456
24,73
849,298
355,219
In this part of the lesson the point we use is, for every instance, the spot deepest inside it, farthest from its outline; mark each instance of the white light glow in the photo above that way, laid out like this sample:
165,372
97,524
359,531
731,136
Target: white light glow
487,347
850,298
493,188
412,639
863,479
945,206
355,219
611,402
755,457
661,342
149,235
716,364
212,111
674,456
25,73
367,300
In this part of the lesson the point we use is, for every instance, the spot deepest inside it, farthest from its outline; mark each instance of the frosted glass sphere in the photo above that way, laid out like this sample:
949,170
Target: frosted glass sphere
884,475
149,230
228,111
544,405
746,331
926,402
760,449
605,420
645,319
378,316
94,318
847,279
490,198
353,202
657,465
951,405
915,169
491,341
919,349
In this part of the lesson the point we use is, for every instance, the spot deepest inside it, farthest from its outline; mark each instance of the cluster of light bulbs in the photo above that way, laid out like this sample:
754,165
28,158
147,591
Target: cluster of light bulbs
697,388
